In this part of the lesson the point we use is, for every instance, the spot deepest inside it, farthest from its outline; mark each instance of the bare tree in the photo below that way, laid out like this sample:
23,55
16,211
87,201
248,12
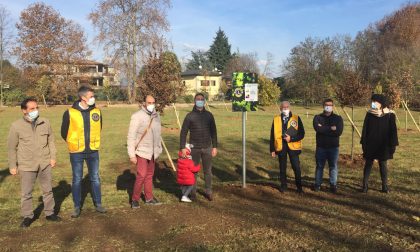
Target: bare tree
5,41
129,30
242,63
268,65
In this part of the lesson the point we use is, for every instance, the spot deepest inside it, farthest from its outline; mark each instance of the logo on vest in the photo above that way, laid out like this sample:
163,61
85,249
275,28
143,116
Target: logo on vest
95,117
293,124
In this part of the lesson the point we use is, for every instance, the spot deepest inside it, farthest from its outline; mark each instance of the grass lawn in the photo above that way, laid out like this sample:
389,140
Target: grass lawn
256,218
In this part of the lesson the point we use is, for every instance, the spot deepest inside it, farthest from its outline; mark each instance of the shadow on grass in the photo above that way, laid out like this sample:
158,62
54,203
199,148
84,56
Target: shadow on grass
3,174
60,192
165,178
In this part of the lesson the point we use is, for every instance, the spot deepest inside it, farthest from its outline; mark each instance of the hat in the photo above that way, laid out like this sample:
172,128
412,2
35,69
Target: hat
379,98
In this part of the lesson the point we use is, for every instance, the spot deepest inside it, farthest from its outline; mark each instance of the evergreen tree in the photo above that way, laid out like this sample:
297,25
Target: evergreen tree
199,58
219,53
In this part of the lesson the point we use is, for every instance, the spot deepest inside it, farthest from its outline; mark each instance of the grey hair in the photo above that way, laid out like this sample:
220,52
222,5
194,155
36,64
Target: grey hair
284,102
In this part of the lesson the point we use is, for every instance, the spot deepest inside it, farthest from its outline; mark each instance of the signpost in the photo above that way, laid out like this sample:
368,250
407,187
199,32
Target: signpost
245,98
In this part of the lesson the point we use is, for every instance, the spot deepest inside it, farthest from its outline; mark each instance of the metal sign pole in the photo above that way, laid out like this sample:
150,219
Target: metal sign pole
243,149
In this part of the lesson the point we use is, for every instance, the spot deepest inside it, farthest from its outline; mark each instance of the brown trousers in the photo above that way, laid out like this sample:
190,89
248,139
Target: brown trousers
28,179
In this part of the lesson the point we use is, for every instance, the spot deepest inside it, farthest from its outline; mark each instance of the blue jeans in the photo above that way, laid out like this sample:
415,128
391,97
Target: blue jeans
322,155
92,161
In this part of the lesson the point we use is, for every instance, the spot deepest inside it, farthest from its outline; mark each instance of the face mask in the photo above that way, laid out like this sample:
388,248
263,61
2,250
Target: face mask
150,107
33,115
328,109
285,112
91,101
199,104
374,106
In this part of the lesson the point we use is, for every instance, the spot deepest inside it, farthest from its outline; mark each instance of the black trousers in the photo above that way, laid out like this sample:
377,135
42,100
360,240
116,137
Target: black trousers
382,169
203,155
294,161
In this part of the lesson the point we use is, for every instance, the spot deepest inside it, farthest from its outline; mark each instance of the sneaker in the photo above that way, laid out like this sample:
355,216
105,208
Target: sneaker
299,190
283,188
153,202
333,188
53,217
385,189
26,222
135,204
208,196
365,189
193,195
76,212
100,209
185,199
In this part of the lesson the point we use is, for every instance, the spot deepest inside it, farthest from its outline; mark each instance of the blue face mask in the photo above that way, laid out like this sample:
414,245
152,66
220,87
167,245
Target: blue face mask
199,104
33,115
374,105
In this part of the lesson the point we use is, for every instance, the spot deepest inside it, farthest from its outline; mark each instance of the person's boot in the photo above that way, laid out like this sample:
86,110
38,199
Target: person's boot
333,188
283,188
366,174
384,176
26,222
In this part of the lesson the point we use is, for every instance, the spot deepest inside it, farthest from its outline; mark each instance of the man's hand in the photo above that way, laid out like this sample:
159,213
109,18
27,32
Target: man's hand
53,163
333,128
14,171
133,160
287,138
184,153
273,154
214,152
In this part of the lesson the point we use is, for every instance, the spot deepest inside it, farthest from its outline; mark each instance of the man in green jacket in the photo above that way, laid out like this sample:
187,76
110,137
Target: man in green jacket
31,153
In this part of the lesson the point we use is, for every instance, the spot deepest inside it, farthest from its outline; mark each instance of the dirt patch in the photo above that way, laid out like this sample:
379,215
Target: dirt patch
257,218
357,162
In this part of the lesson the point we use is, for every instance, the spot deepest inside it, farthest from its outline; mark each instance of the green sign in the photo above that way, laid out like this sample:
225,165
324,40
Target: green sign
244,83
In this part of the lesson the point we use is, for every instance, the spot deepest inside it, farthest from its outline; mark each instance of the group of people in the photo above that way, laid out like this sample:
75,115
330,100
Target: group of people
379,140
32,152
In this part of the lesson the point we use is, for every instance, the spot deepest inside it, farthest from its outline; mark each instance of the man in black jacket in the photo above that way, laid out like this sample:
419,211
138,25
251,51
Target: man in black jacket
287,133
328,127
203,137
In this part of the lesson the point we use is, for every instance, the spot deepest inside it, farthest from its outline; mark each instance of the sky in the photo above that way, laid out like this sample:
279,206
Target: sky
260,26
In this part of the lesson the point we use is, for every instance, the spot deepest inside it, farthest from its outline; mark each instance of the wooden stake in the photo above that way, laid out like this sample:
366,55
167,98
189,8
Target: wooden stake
351,121
208,106
411,115
168,155
177,116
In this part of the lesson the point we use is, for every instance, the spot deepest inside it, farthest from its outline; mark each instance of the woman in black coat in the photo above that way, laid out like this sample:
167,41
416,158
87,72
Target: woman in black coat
379,139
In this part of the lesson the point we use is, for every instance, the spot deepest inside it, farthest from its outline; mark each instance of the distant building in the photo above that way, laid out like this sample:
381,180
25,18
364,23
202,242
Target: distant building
94,73
202,81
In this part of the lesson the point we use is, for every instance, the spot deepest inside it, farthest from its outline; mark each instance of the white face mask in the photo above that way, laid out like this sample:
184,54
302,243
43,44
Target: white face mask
91,101
150,107
285,112
374,105
33,115
328,109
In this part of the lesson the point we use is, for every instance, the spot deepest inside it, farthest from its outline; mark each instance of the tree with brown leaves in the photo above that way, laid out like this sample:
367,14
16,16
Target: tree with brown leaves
161,78
49,45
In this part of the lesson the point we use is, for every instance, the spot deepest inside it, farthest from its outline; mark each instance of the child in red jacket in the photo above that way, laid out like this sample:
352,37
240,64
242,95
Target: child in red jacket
186,174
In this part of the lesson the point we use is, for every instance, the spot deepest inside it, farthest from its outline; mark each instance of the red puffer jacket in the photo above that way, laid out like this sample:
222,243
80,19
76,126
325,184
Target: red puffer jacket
186,170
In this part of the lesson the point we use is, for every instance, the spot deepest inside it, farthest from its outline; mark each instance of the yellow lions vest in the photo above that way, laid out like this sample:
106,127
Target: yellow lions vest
76,133
278,133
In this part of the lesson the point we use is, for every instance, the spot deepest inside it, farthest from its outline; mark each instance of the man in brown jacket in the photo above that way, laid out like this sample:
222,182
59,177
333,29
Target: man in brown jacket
31,153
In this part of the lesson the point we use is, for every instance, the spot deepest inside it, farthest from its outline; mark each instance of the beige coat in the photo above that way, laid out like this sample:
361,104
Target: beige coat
30,148
151,144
